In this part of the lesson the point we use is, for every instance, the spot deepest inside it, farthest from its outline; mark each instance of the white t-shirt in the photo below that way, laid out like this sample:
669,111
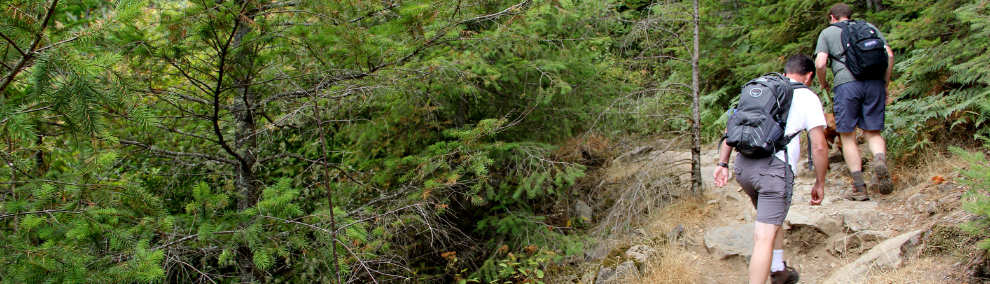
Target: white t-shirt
806,113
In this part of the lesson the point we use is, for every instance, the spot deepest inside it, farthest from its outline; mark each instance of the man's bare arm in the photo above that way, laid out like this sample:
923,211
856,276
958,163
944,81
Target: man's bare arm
721,174
821,61
890,64
819,155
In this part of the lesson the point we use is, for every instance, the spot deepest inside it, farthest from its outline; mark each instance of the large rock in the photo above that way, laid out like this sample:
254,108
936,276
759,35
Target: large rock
583,211
706,174
864,217
812,216
596,253
729,241
640,253
623,273
888,254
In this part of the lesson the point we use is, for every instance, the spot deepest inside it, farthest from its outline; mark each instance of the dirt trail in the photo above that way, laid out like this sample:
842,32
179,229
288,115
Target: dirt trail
818,250
819,240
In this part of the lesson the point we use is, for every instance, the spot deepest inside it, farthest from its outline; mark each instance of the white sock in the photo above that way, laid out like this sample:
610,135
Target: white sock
777,264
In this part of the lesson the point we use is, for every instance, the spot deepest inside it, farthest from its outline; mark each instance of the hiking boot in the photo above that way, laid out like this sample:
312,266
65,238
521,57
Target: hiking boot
881,178
858,193
786,276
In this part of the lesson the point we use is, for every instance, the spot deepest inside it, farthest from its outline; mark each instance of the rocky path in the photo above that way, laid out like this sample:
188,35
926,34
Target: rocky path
888,239
839,241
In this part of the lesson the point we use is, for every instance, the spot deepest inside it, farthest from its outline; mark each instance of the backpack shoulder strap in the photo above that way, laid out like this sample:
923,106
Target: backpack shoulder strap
798,85
842,25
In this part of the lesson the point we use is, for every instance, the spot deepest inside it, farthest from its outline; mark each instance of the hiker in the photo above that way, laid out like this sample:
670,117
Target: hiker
768,181
861,72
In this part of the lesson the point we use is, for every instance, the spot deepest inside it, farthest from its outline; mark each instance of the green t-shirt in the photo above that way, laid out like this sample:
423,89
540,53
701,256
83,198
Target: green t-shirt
830,41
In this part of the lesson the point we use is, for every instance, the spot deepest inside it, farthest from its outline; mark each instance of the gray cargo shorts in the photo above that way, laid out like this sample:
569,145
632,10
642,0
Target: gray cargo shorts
765,183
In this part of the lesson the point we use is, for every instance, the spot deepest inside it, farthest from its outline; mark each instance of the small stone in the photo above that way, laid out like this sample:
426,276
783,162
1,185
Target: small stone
596,254
640,253
946,187
621,274
859,241
675,233
583,211
605,275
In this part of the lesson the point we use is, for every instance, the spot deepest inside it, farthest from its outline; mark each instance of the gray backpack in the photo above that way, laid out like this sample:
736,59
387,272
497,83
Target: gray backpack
756,129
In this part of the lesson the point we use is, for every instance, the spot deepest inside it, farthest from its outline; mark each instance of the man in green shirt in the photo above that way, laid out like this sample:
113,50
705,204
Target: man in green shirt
857,103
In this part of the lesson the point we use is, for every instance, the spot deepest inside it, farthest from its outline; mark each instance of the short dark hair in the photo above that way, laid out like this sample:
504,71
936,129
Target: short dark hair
840,11
799,64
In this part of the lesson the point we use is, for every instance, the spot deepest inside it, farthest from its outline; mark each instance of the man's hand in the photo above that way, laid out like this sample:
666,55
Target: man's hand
721,176
819,155
817,194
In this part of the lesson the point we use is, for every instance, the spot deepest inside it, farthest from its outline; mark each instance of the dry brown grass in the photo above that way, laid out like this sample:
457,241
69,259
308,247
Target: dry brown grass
690,211
591,149
928,163
633,190
924,270
674,265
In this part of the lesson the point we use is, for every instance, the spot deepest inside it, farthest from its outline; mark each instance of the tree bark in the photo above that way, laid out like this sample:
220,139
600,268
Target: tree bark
245,140
697,183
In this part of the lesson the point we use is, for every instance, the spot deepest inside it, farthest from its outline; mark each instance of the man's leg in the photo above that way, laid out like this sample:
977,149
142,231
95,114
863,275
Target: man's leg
765,240
850,151
871,121
848,109
875,142
777,263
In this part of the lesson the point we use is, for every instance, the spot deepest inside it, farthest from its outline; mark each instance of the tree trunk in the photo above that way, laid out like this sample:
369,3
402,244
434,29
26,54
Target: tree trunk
697,183
245,140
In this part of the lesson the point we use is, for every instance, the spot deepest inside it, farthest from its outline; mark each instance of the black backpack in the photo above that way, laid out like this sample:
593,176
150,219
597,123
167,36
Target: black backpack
756,128
865,56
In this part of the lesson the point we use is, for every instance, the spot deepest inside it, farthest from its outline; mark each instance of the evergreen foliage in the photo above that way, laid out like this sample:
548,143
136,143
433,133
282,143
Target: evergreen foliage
976,176
354,141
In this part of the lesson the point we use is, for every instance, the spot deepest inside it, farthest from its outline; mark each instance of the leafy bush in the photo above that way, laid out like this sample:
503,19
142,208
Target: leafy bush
976,175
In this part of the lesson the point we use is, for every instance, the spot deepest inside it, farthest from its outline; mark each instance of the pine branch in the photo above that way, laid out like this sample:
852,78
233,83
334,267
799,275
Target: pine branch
320,161
49,211
186,238
321,86
192,99
180,132
176,259
12,43
58,43
173,154
25,57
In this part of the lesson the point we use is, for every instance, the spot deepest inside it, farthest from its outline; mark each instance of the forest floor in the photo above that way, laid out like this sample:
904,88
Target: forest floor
822,242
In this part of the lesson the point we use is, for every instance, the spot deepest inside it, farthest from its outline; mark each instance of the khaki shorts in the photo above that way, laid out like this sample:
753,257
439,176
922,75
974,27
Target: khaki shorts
765,183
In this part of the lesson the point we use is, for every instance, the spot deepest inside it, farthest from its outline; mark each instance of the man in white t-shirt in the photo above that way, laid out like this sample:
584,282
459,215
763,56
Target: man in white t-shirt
769,182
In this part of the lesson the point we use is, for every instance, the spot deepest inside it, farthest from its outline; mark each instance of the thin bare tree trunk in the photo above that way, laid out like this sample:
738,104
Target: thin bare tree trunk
697,184
245,142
